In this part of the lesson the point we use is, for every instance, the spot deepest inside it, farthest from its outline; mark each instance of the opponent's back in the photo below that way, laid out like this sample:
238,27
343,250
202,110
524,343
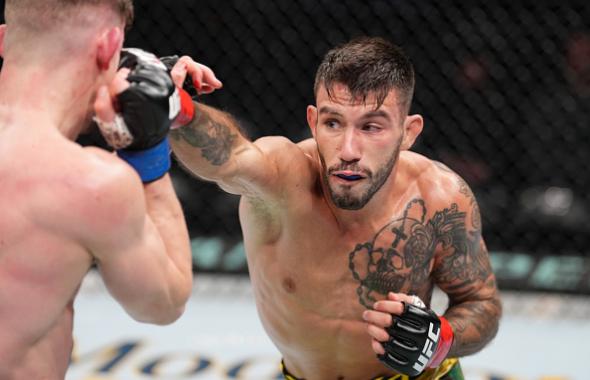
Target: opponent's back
41,262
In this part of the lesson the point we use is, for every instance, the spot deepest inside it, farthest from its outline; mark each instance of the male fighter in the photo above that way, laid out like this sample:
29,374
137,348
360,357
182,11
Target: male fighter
346,233
65,207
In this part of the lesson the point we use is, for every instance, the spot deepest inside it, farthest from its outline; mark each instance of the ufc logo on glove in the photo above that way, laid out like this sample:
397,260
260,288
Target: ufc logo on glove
428,349
419,339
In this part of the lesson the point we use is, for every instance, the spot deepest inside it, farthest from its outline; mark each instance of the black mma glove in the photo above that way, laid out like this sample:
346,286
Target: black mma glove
183,105
418,339
188,86
147,110
148,106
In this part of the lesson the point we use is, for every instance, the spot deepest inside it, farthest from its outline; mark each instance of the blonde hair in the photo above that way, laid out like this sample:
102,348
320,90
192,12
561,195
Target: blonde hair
44,15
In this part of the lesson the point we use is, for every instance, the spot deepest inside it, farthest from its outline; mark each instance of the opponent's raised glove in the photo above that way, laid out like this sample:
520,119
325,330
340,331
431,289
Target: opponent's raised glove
148,108
419,339
130,57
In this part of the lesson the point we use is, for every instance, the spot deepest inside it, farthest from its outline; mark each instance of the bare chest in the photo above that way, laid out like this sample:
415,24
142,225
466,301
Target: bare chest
322,268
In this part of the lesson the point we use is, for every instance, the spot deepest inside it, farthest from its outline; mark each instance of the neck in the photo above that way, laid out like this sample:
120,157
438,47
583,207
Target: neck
46,94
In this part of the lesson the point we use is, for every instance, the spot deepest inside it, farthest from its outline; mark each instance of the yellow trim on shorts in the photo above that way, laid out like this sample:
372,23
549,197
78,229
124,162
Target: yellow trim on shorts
431,374
286,375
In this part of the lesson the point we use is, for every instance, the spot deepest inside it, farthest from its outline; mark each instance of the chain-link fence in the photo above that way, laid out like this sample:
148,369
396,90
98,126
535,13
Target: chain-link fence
504,87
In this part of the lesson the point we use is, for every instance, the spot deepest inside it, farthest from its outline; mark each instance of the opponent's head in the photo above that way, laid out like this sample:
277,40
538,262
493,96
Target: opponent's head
75,44
363,93
50,30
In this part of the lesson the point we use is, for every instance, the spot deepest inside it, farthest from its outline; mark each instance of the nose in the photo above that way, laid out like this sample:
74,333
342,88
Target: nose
350,150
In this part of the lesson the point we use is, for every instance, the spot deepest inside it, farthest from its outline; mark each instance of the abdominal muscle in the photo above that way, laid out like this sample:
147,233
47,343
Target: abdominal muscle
315,320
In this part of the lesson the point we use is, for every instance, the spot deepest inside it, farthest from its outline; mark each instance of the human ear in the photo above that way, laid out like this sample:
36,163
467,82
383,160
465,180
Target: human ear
2,33
108,47
413,126
312,118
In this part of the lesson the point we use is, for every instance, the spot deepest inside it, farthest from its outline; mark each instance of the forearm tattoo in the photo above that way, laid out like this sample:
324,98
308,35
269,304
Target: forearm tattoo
401,258
474,323
213,136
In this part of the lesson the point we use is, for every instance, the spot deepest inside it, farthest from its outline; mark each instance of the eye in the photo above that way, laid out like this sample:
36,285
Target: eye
371,127
331,123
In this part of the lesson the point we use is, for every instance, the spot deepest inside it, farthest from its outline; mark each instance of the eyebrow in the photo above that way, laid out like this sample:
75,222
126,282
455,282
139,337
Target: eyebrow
329,110
368,115
377,113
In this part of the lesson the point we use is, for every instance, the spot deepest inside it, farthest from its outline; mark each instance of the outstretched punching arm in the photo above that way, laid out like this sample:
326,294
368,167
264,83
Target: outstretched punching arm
212,146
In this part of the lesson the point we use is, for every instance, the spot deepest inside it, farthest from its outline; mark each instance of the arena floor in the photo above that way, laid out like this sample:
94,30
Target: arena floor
542,337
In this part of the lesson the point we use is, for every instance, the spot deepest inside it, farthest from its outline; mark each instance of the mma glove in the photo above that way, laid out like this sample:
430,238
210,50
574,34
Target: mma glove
419,339
188,86
147,110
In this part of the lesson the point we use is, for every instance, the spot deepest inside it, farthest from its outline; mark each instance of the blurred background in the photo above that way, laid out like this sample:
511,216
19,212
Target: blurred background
504,87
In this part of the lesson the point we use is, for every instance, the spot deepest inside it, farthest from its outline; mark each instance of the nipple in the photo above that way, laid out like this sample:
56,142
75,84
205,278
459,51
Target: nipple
289,285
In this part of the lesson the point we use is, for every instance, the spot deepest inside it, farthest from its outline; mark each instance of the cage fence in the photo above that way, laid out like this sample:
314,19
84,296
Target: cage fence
504,88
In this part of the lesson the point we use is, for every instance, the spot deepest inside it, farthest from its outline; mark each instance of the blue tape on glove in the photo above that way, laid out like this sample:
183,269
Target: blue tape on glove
151,163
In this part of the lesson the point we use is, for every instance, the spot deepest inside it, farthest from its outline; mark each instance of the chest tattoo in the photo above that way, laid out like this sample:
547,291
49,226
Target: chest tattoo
399,258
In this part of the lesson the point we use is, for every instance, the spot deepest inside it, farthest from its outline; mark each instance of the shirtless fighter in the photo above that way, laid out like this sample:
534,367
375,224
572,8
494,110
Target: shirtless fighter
65,207
348,232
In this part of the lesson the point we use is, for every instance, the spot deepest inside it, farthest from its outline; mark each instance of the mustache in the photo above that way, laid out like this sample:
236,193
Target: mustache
355,167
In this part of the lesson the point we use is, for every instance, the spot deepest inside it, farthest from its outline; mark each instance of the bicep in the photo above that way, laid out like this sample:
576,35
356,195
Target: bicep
123,240
254,171
463,271
135,265
462,266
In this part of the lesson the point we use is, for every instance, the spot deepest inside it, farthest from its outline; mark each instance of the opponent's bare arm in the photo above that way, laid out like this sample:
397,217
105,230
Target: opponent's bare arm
140,244
462,270
143,252
213,148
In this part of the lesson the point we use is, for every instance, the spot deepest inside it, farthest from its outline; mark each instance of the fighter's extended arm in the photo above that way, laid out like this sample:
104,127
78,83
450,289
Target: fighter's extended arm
462,270
213,148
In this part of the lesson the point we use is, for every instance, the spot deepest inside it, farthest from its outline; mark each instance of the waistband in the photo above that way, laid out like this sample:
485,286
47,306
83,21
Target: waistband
449,369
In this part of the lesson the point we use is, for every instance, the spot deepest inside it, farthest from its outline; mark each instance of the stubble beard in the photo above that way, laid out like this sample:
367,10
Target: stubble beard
347,200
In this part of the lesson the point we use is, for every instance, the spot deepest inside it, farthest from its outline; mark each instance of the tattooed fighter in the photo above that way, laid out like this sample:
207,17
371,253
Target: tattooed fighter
347,233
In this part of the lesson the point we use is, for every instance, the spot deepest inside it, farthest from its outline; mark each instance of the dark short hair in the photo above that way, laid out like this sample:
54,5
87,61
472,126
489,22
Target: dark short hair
368,66
48,8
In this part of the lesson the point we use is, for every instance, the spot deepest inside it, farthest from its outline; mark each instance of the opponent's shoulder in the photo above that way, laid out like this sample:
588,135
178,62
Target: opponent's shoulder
84,193
108,191
110,176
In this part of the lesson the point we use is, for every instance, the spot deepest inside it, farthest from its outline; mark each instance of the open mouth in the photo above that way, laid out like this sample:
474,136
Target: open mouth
349,177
